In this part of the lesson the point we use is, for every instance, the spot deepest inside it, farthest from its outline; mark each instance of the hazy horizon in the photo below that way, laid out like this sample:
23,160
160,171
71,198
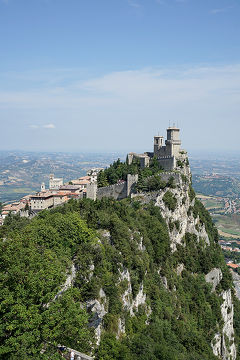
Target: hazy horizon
192,154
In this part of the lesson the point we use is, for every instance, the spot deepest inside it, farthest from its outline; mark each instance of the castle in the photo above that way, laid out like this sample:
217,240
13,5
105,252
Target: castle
168,155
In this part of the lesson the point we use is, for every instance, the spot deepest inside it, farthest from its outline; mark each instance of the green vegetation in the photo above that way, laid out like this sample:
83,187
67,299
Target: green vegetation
191,193
36,254
180,164
119,170
153,183
33,262
184,178
170,200
205,218
236,324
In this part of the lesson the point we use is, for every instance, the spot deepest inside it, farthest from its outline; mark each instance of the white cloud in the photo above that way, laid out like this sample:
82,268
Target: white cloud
205,100
46,126
49,126
34,126
220,10
170,86
134,4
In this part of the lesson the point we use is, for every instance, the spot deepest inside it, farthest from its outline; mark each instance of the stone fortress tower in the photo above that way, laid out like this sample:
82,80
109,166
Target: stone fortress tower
168,155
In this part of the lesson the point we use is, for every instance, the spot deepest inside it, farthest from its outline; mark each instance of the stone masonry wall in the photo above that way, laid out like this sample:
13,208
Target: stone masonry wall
168,163
117,191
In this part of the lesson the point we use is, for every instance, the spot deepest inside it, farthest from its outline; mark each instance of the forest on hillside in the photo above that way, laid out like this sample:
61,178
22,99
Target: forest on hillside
178,321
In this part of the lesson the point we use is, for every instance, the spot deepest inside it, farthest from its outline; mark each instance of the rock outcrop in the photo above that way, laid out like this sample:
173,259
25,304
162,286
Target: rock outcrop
223,343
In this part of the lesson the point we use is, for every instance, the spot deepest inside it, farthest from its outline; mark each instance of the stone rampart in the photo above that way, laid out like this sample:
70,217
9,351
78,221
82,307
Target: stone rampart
116,191
165,176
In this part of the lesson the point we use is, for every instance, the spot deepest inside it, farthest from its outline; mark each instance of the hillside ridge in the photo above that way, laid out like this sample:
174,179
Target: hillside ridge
146,273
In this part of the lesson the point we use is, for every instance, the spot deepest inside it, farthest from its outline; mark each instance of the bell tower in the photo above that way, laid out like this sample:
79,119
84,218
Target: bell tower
158,143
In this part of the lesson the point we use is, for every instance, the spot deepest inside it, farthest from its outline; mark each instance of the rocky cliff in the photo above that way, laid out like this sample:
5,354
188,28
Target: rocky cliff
181,220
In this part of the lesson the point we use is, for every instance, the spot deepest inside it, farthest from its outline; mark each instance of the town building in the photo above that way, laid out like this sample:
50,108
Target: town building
41,201
70,188
12,208
82,182
93,173
55,183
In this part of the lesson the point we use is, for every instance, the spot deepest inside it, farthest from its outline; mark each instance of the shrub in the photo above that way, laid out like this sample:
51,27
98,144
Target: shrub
191,193
184,178
170,200
180,164
177,224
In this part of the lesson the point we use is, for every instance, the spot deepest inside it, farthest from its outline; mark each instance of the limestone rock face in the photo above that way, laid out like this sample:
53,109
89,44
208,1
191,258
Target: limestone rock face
68,283
187,222
121,327
223,343
129,303
228,346
99,310
214,277
182,214
140,299
127,295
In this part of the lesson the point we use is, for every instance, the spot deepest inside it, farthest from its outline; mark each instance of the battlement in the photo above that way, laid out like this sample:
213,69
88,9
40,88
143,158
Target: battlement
117,191
164,157
113,186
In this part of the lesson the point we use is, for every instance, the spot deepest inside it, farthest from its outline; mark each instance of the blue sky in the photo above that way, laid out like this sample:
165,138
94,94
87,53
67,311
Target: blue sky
86,75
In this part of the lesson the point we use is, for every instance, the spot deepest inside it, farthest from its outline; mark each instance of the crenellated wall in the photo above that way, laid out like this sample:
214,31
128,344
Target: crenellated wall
116,191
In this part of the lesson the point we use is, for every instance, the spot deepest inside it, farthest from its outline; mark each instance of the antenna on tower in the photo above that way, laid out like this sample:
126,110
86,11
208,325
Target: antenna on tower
169,124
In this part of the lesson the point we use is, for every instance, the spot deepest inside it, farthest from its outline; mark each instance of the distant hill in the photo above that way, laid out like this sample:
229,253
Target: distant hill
216,185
